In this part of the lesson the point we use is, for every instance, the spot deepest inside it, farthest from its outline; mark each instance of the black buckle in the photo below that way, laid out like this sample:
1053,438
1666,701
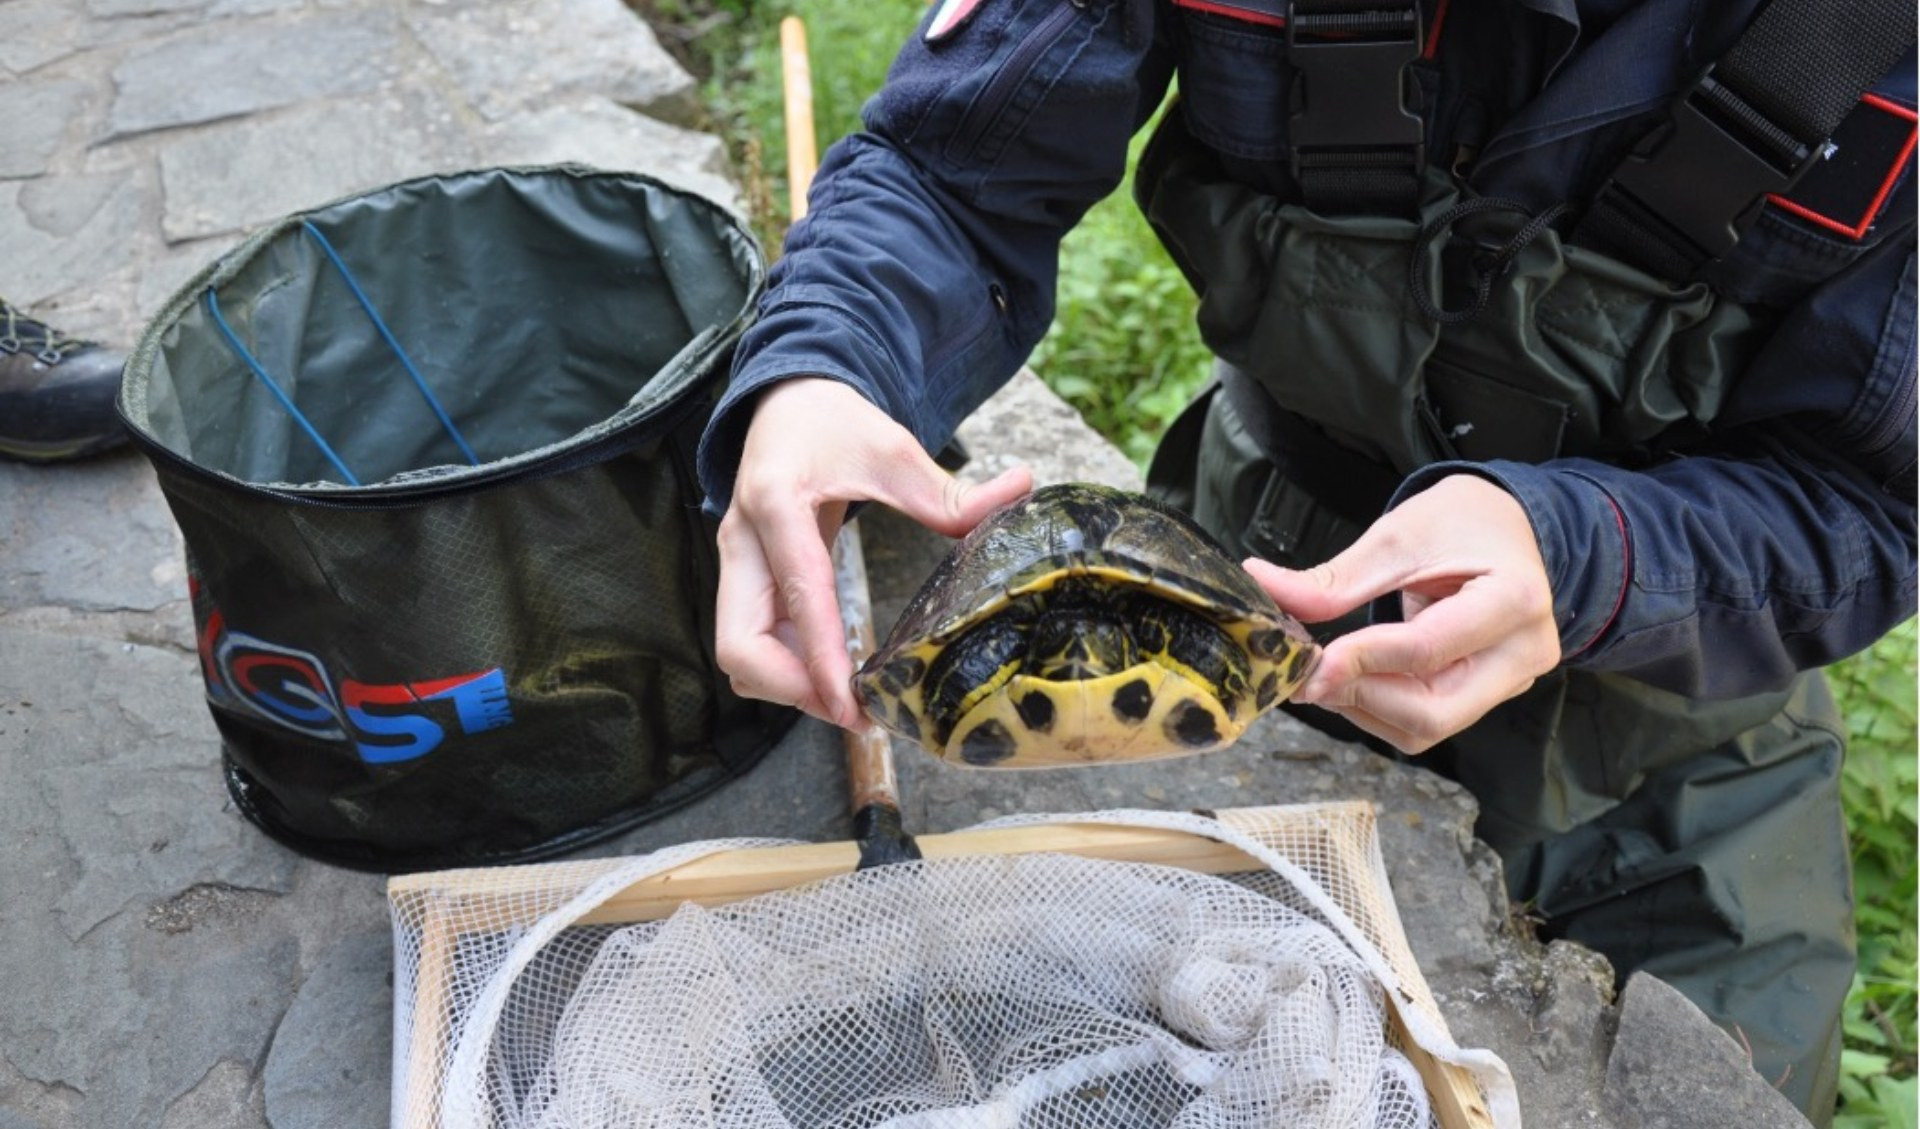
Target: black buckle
1707,175
1349,93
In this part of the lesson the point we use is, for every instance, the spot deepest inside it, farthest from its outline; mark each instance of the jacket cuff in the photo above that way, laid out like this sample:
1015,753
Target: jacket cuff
1583,538
761,361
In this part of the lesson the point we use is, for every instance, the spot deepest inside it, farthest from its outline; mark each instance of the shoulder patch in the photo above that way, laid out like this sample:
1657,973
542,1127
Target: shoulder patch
951,16
1845,191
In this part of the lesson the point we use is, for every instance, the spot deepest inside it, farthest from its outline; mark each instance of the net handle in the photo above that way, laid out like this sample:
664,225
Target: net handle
873,785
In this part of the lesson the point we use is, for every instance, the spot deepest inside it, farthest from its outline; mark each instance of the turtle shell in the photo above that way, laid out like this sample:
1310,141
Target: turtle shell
1083,624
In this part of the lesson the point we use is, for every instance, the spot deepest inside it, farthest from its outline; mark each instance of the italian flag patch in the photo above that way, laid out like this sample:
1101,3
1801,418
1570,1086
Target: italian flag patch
952,14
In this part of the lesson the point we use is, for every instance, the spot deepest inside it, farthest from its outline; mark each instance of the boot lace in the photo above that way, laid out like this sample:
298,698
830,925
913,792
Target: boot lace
19,333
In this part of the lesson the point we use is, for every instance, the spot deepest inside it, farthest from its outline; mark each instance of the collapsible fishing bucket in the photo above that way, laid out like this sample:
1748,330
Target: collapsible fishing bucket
431,450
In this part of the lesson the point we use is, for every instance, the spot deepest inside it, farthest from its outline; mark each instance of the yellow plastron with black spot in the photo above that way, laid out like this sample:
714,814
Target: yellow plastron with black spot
1083,625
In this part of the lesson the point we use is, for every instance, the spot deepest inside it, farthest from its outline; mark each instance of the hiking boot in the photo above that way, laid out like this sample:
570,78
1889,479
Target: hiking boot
56,392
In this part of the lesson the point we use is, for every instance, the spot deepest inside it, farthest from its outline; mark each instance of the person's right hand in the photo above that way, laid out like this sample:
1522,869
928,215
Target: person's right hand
813,446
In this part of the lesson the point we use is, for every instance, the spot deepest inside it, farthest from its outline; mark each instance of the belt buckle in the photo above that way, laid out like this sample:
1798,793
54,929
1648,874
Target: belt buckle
1348,93
1707,175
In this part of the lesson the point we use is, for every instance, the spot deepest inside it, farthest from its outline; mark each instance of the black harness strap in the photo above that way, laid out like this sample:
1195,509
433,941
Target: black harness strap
1349,484
1753,124
1357,147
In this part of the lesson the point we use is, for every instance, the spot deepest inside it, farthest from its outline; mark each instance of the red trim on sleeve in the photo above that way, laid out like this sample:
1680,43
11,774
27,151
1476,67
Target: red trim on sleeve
1626,576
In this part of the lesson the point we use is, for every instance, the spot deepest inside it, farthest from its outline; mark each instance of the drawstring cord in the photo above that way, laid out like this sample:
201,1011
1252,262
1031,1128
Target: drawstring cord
286,402
1486,269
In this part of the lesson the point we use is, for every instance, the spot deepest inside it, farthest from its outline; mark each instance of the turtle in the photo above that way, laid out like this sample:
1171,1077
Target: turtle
1083,624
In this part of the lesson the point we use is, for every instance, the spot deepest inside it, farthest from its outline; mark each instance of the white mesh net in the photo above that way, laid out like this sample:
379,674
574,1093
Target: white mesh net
986,986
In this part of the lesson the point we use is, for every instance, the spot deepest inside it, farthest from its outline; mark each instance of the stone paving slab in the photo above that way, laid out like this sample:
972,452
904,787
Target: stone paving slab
124,984
231,174
126,555
64,226
503,57
154,133
245,67
1668,1074
38,115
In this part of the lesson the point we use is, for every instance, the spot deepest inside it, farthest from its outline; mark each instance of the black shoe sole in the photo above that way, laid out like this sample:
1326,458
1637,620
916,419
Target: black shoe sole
23,451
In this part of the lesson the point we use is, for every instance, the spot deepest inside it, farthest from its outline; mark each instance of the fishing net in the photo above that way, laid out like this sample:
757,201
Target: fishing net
1037,990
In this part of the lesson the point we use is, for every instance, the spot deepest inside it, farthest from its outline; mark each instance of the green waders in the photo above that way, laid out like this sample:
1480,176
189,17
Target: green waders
1701,841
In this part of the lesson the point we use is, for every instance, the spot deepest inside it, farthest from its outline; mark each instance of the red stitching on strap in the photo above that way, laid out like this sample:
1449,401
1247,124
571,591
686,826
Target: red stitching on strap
1433,34
1857,231
1232,12
1890,106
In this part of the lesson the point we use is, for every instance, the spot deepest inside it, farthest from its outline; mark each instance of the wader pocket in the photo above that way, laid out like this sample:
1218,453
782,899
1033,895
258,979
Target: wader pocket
1597,358
1314,308
1479,419
1634,363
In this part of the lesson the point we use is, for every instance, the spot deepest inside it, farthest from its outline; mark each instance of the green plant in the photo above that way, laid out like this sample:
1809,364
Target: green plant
850,47
1122,349
1876,691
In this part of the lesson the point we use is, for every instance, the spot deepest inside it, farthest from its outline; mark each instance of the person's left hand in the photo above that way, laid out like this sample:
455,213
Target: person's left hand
1478,609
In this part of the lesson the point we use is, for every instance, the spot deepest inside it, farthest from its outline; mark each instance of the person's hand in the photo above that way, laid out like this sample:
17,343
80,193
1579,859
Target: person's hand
813,446
1478,609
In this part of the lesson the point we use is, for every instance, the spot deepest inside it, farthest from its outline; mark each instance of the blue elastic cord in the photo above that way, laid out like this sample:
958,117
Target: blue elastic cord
213,307
419,382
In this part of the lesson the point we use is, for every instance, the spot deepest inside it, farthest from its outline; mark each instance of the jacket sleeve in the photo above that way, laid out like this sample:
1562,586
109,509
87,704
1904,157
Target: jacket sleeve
923,273
1785,544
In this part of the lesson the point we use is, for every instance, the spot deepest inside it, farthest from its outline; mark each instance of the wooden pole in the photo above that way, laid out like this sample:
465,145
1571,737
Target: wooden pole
874,788
797,87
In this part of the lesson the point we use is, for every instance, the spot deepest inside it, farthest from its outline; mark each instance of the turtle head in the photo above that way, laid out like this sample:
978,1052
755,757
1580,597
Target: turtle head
1074,645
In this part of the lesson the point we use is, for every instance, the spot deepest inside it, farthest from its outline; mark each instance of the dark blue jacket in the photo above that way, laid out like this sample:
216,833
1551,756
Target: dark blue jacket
924,274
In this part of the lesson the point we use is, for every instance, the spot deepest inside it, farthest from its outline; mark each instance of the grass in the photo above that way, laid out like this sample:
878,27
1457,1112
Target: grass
1876,692
1123,351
